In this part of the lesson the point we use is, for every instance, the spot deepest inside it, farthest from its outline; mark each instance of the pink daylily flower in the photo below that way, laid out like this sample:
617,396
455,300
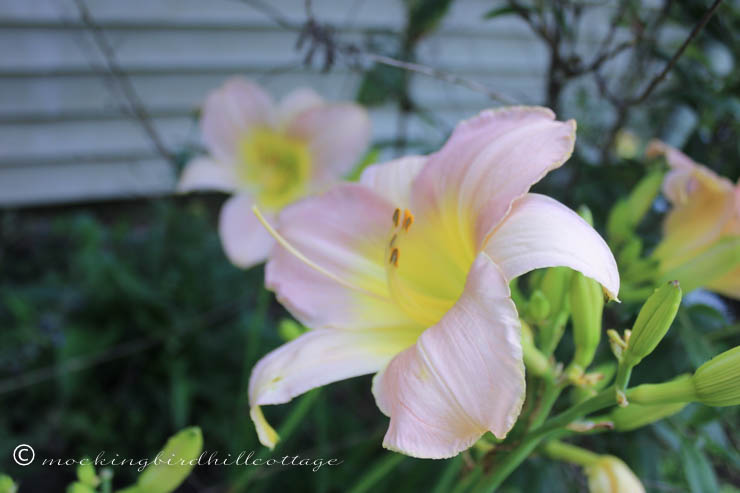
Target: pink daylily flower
705,208
270,155
406,275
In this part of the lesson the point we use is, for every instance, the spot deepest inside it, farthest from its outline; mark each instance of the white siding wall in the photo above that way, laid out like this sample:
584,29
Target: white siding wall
63,133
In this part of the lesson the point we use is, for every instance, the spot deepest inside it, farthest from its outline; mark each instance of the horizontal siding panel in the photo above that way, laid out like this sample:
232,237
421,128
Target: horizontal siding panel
76,97
48,184
68,141
64,50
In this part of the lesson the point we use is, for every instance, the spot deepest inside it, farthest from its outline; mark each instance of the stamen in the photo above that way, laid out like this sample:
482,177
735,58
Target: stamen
408,220
393,240
396,217
297,254
394,257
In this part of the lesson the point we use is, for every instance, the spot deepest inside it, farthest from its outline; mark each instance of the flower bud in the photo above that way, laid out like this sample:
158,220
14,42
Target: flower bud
7,485
554,287
290,329
78,487
653,321
628,212
610,475
177,460
717,381
535,362
637,415
538,307
86,474
587,305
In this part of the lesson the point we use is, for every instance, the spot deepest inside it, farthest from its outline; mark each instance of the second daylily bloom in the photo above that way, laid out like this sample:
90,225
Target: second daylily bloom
406,275
705,210
270,155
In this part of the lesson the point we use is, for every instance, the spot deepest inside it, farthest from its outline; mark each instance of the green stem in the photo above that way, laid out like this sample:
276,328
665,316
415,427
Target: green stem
377,472
514,458
569,453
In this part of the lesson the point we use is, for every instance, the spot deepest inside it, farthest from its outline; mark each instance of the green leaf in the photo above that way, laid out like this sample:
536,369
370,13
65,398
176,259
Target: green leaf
697,468
382,83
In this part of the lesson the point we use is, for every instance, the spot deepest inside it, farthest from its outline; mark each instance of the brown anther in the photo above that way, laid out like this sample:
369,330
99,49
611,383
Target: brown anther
393,240
396,217
394,257
408,220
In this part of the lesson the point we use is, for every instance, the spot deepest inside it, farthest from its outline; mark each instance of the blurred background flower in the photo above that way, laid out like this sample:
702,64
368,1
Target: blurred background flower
124,322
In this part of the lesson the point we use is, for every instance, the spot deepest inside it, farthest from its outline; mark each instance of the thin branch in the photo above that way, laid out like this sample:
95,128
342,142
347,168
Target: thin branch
322,35
674,59
125,84
443,75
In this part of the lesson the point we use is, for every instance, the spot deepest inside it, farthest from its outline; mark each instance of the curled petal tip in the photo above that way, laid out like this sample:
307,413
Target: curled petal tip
266,433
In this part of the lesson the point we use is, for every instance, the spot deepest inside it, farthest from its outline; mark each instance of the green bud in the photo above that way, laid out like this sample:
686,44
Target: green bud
628,212
714,262
86,474
289,329
638,415
181,451
653,321
7,485
680,389
538,307
536,363
586,214
554,286
717,381
78,487
586,305
643,196
631,251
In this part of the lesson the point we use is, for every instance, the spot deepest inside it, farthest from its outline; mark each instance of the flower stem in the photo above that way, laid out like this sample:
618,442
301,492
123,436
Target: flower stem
569,453
511,461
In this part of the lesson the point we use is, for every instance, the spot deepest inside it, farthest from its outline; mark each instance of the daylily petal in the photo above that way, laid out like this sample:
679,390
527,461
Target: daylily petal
392,180
243,238
228,114
463,377
317,358
344,232
489,161
337,134
203,173
295,102
542,232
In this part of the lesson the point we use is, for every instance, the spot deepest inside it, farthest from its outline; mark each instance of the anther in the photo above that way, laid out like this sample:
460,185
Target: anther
393,240
396,217
394,257
408,220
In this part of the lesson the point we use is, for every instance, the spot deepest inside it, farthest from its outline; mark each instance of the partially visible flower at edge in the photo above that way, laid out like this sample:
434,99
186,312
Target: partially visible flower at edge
406,275
608,474
271,155
705,208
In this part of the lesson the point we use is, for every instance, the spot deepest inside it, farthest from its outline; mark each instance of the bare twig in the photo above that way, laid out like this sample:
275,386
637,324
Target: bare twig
443,75
120,76
323,35
672,62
